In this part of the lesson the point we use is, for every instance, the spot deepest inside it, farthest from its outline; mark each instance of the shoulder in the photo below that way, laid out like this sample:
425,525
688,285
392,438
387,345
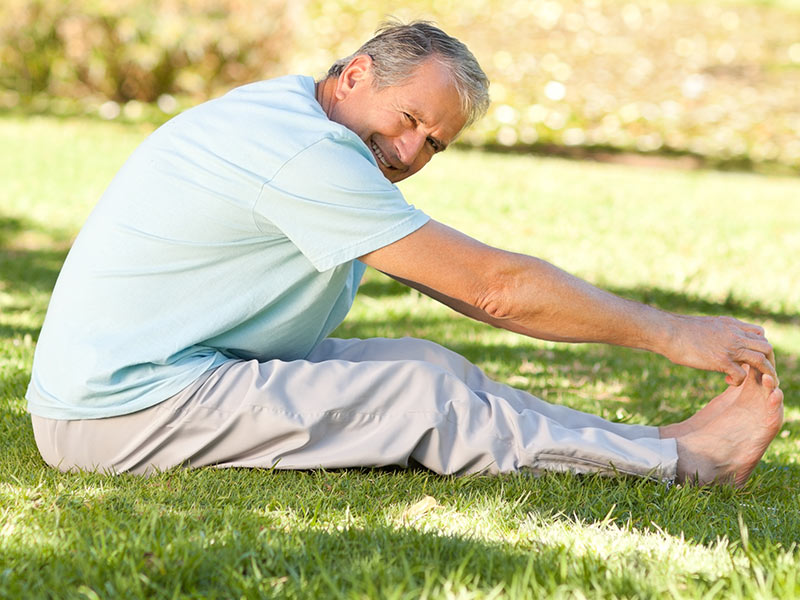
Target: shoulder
259,127
281,107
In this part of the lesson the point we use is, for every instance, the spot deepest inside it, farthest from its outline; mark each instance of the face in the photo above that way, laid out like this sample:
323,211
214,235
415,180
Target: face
403,126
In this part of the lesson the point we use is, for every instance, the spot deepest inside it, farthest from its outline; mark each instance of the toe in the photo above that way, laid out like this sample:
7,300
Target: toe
775,399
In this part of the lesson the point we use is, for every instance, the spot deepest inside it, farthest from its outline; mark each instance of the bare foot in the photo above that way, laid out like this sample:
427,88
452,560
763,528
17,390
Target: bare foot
727,444
704,416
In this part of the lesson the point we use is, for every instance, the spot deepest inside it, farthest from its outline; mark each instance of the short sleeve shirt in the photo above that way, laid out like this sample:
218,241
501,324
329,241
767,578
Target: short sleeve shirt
232,232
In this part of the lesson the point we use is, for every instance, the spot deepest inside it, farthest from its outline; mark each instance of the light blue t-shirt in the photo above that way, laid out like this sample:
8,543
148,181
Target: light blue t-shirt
231,232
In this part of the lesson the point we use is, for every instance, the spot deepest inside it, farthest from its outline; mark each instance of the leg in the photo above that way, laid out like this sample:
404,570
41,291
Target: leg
389,349
342,413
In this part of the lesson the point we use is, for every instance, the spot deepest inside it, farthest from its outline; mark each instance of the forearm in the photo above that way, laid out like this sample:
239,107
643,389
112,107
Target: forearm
535,298
540,300
549,304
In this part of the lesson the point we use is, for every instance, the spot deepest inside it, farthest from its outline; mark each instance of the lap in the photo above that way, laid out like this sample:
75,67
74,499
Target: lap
390,349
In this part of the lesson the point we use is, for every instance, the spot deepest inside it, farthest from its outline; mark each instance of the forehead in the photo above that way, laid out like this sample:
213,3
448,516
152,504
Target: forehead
431,96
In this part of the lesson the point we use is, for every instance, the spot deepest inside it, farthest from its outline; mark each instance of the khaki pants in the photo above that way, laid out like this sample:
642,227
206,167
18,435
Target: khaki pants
357,403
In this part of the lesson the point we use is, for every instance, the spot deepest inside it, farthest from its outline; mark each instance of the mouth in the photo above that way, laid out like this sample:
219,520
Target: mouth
380,156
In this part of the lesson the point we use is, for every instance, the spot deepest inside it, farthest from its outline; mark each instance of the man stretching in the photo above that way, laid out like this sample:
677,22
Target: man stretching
189,325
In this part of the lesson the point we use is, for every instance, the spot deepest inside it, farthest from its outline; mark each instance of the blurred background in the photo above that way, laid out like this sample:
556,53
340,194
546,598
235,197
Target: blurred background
708,83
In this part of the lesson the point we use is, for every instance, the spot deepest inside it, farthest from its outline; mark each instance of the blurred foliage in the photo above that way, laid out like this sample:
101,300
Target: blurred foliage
126,50
717,80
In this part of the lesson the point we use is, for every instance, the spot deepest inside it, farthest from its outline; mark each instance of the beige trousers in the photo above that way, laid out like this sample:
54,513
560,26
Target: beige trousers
357,403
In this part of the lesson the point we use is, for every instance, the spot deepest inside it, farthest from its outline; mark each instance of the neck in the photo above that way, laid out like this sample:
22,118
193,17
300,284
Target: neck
324,94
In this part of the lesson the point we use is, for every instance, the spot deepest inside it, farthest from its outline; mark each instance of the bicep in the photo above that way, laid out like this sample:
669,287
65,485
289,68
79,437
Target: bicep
442,259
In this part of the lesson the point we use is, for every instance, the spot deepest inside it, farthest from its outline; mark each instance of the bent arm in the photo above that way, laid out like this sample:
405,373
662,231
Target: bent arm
533,297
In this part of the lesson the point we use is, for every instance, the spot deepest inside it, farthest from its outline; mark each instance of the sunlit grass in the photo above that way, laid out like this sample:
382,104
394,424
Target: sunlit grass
699,242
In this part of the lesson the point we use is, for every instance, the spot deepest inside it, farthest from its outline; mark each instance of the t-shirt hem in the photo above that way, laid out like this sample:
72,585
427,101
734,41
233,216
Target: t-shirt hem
37,403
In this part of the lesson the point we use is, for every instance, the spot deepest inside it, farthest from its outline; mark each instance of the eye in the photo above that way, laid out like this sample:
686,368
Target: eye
433,144
409,118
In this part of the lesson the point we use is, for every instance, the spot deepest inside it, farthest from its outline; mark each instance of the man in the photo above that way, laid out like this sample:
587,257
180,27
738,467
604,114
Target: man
189,324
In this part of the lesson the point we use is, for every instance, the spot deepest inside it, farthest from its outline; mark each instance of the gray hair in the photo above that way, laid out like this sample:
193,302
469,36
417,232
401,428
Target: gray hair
398,49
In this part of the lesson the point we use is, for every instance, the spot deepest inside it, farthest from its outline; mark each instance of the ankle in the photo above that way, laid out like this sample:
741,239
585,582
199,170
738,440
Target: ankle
673,430
694,467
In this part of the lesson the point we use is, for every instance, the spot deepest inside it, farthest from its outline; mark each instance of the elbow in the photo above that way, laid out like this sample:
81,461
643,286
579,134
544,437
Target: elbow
498,298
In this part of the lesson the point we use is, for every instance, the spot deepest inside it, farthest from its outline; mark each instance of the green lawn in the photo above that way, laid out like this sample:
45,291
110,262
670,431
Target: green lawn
699,242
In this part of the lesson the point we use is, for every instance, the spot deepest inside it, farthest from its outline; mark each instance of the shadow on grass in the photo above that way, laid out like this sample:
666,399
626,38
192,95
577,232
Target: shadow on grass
117,543
375,287
29,267
23,274
30,260
376,562
682,160
24,271
15,382
17,447
690,304
9,227
18,331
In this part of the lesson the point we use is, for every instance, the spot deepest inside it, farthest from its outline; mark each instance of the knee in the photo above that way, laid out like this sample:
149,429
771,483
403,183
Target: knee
444,358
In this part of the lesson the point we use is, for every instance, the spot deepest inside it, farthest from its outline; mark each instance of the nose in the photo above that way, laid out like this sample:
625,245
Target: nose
410,145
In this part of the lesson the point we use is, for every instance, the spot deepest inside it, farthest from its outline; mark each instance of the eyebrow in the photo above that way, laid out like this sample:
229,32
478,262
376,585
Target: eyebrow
442,146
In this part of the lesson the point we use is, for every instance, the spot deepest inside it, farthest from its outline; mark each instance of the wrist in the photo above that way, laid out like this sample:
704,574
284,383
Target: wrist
662,334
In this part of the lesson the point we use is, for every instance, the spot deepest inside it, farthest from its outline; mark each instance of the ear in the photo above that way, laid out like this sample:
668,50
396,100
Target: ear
357,72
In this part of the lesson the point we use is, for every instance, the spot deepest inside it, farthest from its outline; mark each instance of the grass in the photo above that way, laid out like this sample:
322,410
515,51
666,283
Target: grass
699,242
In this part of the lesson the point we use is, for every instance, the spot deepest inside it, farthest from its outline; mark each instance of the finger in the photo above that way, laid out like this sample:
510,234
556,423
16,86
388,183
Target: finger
758,361
769,351
750,327
758,330
771,358
735,374
753,335
759,344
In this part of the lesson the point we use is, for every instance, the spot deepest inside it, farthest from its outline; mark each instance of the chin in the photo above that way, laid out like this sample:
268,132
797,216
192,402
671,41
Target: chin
392,176
395,176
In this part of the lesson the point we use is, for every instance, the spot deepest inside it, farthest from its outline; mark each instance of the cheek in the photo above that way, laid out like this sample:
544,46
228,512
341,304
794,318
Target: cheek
423,159
392,123
419,163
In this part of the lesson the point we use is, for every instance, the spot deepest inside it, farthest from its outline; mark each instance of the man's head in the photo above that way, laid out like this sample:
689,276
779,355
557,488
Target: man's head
407,92
397,50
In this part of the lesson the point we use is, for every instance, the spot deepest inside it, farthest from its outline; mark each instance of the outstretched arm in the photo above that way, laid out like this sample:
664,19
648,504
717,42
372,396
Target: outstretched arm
530,296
